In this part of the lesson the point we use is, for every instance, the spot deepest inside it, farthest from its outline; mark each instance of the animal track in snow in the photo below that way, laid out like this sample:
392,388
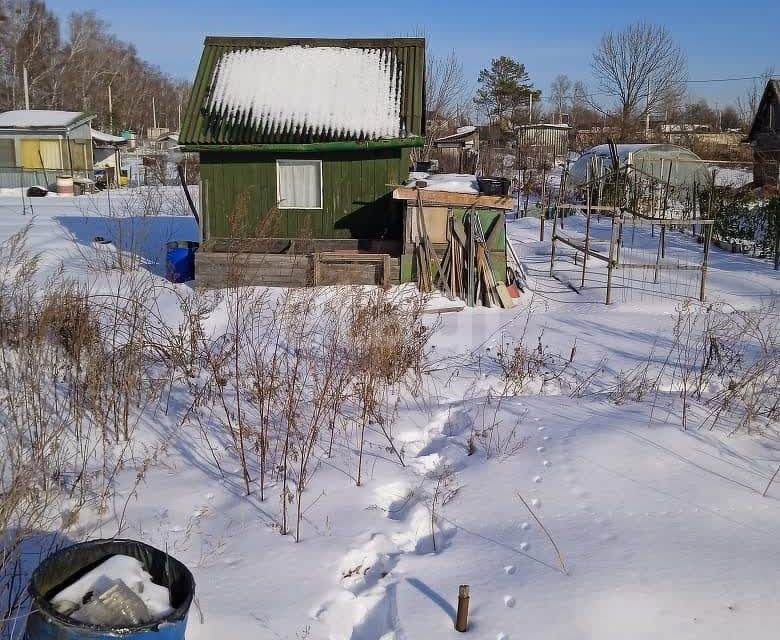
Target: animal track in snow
396,499
537,479
525,526
502,636
509,601
364,567
524,546
547,463
366,604
539,449
510,569
536,502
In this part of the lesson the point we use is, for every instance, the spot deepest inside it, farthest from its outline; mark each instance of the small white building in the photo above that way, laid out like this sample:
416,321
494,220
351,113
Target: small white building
106,153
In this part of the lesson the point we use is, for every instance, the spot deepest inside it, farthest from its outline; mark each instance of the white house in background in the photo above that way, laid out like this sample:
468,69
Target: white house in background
41,140
106,154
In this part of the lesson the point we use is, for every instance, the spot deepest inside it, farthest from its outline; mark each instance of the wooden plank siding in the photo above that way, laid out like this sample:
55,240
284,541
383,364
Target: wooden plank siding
255,269
357,196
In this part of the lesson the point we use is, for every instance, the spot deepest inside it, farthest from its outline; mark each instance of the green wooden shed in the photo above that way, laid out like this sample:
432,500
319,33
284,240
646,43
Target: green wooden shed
301,144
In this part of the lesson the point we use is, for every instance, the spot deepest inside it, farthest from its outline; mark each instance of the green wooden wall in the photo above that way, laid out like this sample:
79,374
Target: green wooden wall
357,195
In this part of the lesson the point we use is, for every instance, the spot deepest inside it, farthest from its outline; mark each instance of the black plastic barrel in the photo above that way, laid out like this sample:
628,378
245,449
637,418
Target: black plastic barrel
63,568
180,260
493,186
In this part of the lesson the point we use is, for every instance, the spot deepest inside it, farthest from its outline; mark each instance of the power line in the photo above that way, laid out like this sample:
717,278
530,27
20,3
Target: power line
695,81
723,79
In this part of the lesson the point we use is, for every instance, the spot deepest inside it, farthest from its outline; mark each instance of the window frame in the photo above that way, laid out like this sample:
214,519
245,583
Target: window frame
279,199
9,143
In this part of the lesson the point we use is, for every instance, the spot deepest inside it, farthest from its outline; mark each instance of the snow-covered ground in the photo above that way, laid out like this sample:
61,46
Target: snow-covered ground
662,532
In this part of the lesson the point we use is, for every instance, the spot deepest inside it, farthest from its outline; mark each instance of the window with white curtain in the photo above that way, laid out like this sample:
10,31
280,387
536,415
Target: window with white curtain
299,184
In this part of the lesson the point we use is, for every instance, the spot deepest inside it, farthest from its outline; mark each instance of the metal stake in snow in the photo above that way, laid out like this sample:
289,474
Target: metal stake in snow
462,617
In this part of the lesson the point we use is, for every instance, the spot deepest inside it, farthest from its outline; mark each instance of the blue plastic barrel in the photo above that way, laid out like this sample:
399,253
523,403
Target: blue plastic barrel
63,568
180,260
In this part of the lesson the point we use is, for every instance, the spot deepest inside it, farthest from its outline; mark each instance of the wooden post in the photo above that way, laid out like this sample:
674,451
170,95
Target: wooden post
663,242
777,238
619,239
471,291
542,214
462,617
658,255
587,247
553,238
587,237
611,263
707,239
316,268
70,157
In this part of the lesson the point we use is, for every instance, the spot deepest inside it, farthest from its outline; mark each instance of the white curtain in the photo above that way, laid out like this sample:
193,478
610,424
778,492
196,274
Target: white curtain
299,184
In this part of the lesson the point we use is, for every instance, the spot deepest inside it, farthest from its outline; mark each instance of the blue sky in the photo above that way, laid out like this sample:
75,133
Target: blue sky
721,39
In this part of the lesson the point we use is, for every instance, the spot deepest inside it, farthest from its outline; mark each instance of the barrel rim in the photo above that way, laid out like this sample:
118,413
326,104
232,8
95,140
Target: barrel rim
41,604
182,244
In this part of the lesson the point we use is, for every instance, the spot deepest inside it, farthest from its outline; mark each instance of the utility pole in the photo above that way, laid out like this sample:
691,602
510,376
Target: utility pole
178,128
530,107
110,112
154,114
717,112
26,88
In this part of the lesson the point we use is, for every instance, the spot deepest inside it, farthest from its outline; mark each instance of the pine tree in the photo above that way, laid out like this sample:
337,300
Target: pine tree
505,89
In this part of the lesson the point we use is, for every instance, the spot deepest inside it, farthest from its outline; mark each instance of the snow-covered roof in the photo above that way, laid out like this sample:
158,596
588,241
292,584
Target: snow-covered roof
42,119
107,138
461,134
544,125
338,92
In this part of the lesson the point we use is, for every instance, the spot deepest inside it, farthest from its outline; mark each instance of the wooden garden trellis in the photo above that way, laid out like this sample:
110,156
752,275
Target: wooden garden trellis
620,213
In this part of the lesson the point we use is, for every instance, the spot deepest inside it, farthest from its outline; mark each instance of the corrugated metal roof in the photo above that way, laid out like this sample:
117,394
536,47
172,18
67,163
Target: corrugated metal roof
107,138
42,119
461,134
231,106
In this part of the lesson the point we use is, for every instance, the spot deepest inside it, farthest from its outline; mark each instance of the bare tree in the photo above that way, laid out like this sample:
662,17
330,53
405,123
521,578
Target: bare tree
560,94
446,98
639,67
747,103
29,39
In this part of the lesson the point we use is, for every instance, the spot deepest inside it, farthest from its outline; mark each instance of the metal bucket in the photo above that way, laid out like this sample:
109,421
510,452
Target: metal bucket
180,260
68,565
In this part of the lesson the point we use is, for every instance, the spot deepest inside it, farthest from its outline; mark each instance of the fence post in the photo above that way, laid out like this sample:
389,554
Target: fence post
611,263
707,239
462,617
